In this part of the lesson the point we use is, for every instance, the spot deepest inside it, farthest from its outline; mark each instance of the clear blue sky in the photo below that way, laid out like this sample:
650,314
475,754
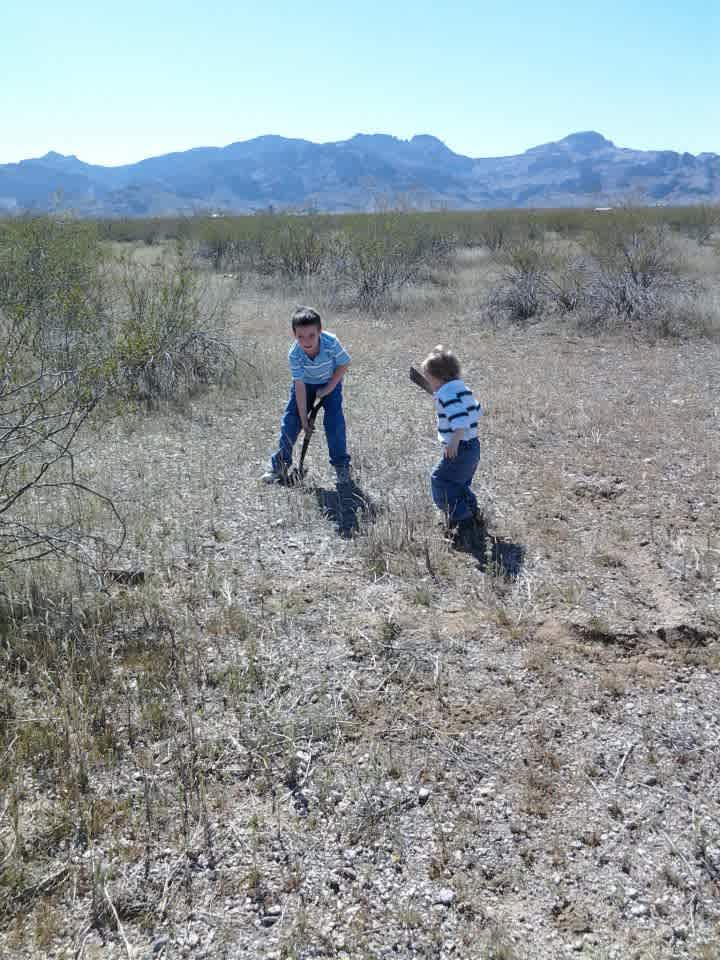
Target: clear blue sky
116,83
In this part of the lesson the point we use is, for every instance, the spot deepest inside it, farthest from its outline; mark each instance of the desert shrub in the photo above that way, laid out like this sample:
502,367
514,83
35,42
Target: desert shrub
493,231
564,282
635,268
375,258
674,314
233,244
167,339
52,285
701,223
238,245
623,269
76,329
539,276
44,508
218,245
144,333
50,384
149,231
525,268
301,249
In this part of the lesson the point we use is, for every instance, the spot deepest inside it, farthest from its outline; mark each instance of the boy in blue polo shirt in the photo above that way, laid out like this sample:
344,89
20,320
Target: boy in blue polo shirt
318,362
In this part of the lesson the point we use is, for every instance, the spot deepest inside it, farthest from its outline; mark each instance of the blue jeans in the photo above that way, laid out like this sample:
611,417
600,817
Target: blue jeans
333,421
451,479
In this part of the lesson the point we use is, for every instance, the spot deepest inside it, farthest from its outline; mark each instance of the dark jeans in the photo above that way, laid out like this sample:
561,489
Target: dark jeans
333,421
451,479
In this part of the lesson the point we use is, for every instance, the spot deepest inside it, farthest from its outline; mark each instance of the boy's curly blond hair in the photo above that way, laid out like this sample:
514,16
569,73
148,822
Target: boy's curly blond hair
442,363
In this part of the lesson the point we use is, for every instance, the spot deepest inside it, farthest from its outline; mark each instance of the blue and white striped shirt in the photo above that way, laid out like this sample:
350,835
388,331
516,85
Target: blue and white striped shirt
457,409
317,369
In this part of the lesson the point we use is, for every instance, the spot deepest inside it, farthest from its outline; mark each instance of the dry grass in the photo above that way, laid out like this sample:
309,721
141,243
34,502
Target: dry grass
287,744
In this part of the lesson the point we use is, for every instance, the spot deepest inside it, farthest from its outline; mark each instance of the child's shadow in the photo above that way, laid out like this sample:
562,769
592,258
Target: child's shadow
346,507
495,555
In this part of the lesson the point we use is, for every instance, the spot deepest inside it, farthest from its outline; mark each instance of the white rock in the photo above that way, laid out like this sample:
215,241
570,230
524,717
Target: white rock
445,896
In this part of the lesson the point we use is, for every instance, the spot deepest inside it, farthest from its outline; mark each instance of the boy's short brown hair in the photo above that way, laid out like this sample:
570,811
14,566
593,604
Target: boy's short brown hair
306,317
442,363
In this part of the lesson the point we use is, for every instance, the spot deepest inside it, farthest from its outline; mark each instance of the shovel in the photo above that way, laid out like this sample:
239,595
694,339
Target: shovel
419,380
295,475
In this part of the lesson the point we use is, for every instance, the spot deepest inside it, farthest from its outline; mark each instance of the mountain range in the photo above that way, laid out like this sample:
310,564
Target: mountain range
364,173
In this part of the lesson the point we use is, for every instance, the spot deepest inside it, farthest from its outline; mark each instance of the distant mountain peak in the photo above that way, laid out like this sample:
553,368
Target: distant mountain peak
429,143
374,138
55,161
426,138
54,155
586,141
424,141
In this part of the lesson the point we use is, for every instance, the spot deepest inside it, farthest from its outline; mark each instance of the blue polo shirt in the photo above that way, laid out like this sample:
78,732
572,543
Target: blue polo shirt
317,369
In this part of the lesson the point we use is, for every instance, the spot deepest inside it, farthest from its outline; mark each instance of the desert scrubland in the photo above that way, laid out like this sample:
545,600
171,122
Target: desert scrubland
240,721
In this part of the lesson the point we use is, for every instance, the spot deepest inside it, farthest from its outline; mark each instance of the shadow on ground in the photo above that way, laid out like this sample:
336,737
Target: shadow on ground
495,555
346,507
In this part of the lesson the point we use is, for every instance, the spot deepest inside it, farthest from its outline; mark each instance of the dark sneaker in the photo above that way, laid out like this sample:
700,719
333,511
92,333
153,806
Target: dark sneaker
468,534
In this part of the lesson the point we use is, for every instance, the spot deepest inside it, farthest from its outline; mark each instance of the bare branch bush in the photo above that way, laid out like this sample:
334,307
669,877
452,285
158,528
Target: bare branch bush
626,271
44,506
635,272
520,294
565,283
49,387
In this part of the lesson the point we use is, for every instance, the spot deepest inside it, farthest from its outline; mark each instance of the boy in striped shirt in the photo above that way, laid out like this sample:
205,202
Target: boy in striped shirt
318,362
458,413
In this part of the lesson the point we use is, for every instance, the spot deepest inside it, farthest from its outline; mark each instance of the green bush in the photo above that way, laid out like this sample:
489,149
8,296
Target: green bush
302,249
378,256
166,344
52,286
218,243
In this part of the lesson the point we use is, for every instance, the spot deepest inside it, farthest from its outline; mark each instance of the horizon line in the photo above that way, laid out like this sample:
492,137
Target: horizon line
267,136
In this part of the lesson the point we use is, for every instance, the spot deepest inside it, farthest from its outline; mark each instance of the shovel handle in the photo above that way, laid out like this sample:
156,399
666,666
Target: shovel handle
308,433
